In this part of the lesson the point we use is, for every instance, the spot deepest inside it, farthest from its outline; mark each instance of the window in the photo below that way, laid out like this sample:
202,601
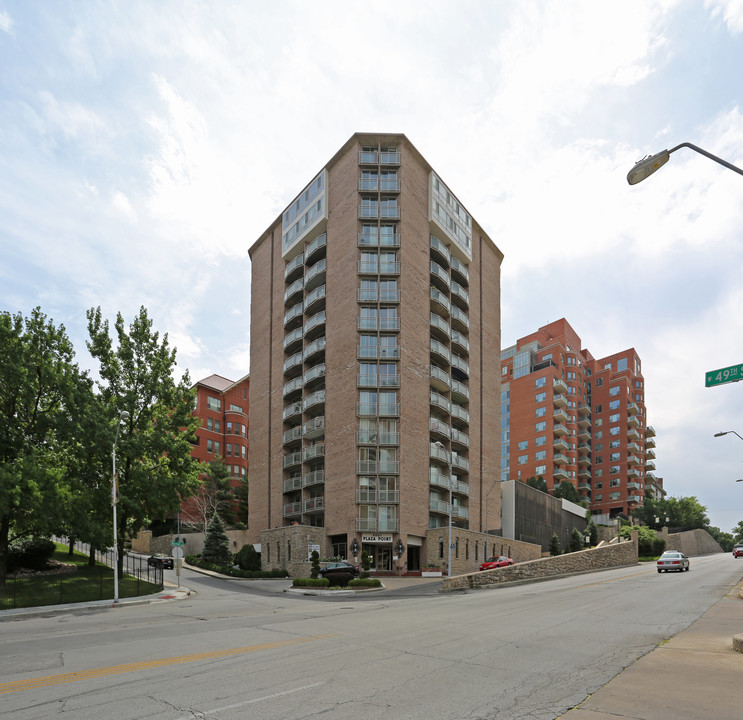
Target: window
614,444
523,459
209,424
599,447
614,391
210,446
235,408
614,470
598,473
228,449
541,470
541,455
598,485
216,446
541,382
229,427
523,445
217,425
541,412
541,397
213,403
614,418
614,430
541,426
541,440
598,435
614,496
599,382
599,408
571,375
621,364
598,422
614,457
614,482
599,498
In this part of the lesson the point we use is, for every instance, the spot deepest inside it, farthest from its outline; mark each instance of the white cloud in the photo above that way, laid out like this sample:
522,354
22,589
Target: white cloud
731,11
6,22
122,205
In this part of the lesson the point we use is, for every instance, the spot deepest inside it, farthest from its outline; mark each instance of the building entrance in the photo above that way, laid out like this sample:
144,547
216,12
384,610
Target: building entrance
380,557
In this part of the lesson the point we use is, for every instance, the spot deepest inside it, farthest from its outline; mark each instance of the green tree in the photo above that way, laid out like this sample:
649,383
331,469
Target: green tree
538,483
214,496
216,544
555,548
577,541
365,564
687,512
315,568
154,462
738,532
38,384
724,540
243,500
248,558
568,491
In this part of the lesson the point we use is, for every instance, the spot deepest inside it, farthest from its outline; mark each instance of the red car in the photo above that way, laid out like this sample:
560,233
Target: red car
738,551
496,562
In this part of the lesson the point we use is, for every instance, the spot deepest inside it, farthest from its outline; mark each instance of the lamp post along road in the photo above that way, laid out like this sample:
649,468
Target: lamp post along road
440,445
123,417
647,166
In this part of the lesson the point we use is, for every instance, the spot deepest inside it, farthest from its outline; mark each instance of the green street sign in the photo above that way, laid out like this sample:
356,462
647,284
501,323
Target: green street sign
734,373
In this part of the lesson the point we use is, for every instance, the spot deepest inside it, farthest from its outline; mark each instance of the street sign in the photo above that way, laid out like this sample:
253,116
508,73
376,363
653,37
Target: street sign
734,373
177,552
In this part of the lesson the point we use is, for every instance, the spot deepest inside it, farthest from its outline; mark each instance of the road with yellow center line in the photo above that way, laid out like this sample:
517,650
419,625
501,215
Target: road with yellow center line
50,680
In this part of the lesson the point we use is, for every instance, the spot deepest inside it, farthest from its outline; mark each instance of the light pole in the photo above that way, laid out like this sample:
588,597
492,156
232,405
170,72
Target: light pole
123,417
647,166
487,532
727,432
440,445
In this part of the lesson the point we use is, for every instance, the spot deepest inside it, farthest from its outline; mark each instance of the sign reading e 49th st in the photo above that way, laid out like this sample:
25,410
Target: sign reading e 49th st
734,373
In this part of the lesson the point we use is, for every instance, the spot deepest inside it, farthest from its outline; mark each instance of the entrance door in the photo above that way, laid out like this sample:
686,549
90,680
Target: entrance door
414,558
384,558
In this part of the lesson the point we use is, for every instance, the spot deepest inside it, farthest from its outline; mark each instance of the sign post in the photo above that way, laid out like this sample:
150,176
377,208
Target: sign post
177,553
734,373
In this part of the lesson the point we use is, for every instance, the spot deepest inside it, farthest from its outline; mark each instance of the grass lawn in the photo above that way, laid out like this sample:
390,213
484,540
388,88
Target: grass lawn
83,584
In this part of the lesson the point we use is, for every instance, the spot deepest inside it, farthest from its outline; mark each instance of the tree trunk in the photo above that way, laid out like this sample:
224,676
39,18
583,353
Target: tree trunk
4,536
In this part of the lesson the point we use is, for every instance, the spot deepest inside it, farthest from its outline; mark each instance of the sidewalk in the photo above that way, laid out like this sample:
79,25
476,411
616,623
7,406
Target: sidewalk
696,674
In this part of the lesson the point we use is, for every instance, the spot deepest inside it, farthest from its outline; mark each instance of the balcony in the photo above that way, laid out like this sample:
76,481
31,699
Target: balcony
633,460
315,275
650,454
439,250
584,421
584,448
316,372
316,450
292,509
649,441
438,453
366,524
649,465
438,506
559,429
635,499
292,386
291,459
560,474
439,324
293,290
440,350
457,411
391,352
292,314
584,460
633,408
315,347
293,362
291,411
459,317
440,378
457,461
314,505
292,484
633,421
314,428
560,416
460,294
460,340
458,362
584,433
560,459
440,299
389,157
460,269
439,427
583,410
584,473
560,445
634,472
390,240
389,296
559,386
315,298
316,477
460,392
314,248
634,486
649,431
559,400
293,339
294,268
292,435
368,157
440,276
315,323
369,211
460,512
633,434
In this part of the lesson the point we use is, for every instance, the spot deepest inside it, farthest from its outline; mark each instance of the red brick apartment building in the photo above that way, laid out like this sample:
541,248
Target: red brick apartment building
375,313
568,416
222,405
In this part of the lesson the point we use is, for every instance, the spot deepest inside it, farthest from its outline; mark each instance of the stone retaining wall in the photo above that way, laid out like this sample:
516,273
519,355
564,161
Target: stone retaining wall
691,542
617,554
147,545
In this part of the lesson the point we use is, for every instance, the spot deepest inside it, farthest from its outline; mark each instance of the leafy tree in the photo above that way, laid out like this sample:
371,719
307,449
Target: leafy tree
555,548
725,540
214,496
648,542
216,544
154,462
593,533
38,385
248,558
738,532
567,490
538,483
577,541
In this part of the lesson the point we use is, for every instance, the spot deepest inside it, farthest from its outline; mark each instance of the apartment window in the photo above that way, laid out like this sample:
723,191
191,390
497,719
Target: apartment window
541,469
541,426
368,346
217,426
523,445
571,375
541,455
598,422
621,364
541,382
541,412
228,449
209,424
614,418
541,440
213,403
541,397
229,427
548,356
614,496
614,405
614,470
614,444
216,446
614,457
210,446
614,482
599,498
235,408
598,473
614,391
599,408
598,460
599,382
523,459
598,485
614,430
598,435
599,447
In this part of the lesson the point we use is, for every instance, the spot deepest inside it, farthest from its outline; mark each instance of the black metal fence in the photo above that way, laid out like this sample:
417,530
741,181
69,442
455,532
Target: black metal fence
82,583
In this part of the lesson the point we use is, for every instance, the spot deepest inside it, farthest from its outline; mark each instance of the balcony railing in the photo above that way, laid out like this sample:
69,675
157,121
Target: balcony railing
316,477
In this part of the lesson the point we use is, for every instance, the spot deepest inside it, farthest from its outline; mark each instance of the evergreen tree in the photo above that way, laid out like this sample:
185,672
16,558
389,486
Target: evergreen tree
555,548
538,483
216,544
576,540
315,571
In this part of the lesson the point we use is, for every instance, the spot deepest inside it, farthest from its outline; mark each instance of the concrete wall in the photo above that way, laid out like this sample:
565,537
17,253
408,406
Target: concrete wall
617,554
147,545
691,542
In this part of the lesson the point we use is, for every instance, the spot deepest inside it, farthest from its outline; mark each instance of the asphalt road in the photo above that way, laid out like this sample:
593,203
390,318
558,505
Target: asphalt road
236,650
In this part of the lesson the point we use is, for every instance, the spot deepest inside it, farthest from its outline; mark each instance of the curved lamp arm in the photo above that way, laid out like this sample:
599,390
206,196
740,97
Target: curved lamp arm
647,166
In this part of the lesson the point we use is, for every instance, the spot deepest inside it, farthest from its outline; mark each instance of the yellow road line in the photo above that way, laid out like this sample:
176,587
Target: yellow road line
50,680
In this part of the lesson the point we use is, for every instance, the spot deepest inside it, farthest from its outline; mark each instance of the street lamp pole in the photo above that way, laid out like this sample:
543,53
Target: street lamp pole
727,432
647,166
440,445
123,417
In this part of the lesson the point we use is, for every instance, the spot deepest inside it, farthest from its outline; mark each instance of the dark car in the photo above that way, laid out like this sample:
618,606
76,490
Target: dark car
340,571
738,551
160,560
496,562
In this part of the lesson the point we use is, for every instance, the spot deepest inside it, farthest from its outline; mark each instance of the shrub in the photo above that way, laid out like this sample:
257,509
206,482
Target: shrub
648,542
555,548
576,540
248,558
31,554
365,582
311,582
365,564
315,564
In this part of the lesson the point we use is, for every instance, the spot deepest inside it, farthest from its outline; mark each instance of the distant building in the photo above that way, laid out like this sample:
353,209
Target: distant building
222,405
567,416
375,313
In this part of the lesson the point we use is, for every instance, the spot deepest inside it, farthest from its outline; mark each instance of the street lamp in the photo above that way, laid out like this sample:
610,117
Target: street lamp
123,417
727,432
487,532
440,445
648,165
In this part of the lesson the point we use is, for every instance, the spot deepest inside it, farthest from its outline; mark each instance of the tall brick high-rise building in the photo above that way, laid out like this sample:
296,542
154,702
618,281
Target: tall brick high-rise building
567,416
375,315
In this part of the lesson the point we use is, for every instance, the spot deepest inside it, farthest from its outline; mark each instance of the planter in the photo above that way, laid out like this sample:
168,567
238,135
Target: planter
431,573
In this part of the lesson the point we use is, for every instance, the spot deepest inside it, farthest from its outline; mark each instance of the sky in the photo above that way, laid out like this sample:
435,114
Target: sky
146,145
